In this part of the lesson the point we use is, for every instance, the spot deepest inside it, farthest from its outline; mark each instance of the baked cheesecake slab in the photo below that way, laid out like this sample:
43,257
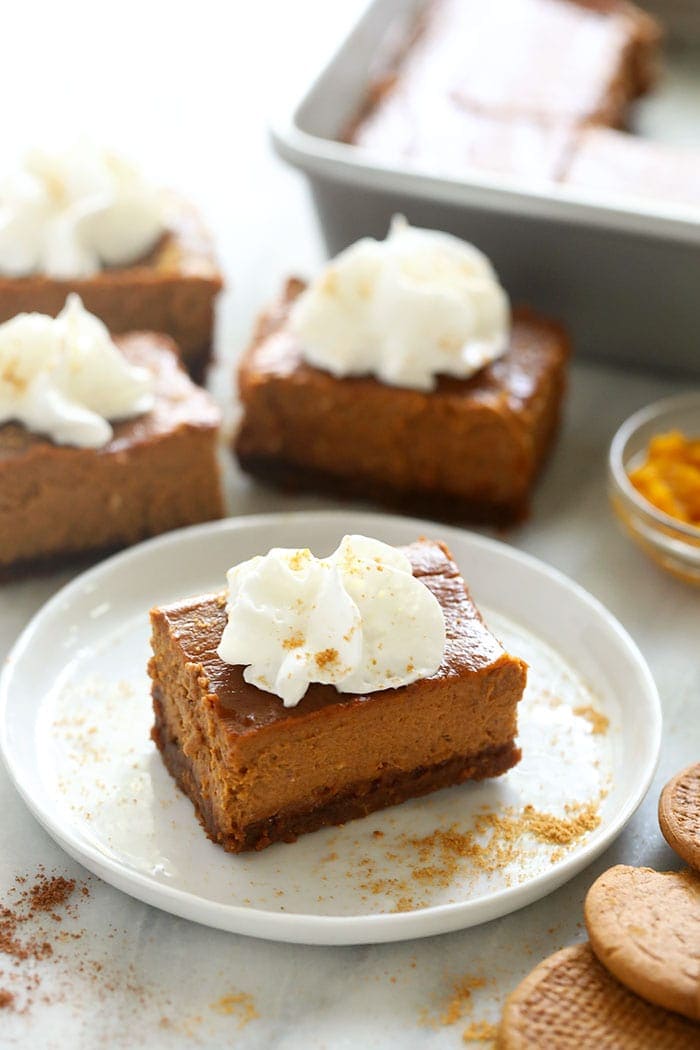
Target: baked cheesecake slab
258,772
559,61
613,162
450,139
471,449
173,290
159,471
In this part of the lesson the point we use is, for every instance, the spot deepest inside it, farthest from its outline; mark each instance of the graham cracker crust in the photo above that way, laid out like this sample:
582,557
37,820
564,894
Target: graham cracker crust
440,506
197,363
390,789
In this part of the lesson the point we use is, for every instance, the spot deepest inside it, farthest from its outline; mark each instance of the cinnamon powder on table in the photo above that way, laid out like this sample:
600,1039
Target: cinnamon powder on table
49,893
23,937
240,1005
458,1006
460,1003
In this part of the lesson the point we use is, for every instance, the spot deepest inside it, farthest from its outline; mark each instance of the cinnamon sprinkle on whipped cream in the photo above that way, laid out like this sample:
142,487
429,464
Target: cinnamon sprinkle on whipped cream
420,304
358,620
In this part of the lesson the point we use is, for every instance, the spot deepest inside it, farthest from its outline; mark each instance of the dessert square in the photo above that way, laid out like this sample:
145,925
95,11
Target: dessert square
449,144
558,61
258,772
173,290
581,60
158,471
617,163
470,449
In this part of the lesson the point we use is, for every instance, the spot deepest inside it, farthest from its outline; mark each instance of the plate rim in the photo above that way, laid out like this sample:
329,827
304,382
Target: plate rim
300,927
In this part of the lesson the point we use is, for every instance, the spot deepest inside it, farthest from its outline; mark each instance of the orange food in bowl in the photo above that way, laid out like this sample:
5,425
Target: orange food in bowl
670,476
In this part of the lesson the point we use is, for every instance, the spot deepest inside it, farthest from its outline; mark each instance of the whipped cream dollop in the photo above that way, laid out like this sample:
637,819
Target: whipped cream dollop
69,214
64,377
417,305
358,620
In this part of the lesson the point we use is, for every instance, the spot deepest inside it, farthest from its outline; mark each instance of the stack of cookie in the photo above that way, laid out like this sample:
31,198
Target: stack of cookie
636,982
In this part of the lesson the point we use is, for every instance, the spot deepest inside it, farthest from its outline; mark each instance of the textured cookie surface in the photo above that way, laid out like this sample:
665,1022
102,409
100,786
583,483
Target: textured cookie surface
644,926
679,814
571,1002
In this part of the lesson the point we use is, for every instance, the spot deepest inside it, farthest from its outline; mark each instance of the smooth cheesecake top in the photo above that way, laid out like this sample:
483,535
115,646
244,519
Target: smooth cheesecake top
196,625
178,403
507,383
555,60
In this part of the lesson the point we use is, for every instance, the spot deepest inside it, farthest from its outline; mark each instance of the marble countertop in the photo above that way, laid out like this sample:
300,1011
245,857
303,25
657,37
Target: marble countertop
135,976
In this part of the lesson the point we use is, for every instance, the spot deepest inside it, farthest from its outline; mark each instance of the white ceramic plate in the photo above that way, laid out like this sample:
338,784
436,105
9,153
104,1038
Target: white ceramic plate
74,731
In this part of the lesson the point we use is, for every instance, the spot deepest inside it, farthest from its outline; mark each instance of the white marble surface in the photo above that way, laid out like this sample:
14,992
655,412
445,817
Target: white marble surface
190,94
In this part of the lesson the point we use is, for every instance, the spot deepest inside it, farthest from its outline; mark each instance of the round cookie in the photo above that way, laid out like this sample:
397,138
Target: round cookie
570,1002
644,926
679,814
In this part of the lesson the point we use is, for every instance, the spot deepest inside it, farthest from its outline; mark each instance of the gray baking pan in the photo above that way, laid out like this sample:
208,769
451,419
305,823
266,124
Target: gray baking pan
623,274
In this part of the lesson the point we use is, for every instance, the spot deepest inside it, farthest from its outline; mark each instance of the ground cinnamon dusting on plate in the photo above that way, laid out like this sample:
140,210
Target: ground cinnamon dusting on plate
599,722
494,842
7,999
562,831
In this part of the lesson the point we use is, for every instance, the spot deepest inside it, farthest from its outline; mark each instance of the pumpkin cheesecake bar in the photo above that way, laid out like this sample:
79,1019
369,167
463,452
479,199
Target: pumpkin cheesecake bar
84,220
452,140
615,163
469,449
172,289
564,63
258,771
156,471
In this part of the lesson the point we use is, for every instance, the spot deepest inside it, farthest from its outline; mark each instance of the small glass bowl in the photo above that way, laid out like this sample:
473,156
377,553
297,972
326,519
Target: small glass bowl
672,544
